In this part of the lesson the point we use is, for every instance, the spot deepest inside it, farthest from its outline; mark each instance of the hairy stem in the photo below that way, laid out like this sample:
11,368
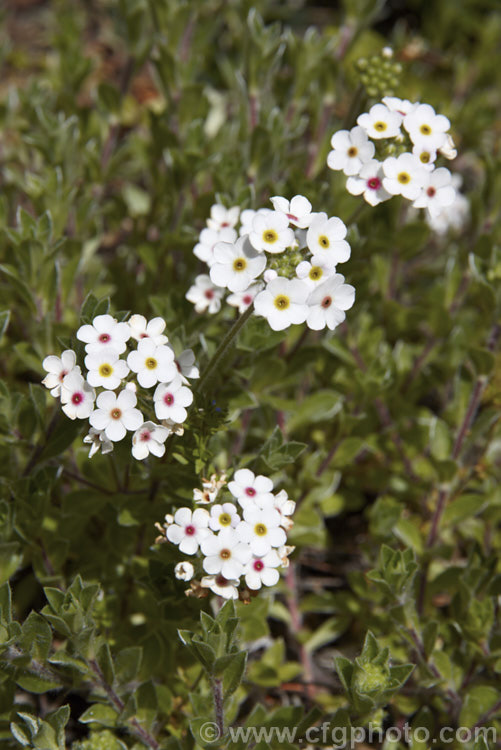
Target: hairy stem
224,346
217,694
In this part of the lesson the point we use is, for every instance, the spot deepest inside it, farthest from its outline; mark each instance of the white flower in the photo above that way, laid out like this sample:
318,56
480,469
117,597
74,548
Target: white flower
184,571
105,368
449,149
369,182
270,275
271,232
205,295
261,530
210,489
325,238
247,217
250,490
58,368
326,304
404,175
221,586
153,364
186,366
225,554
140,329
189,529
425,155
380,122
149,438
286,508
262,571
437,193
426,128
401,106
351,149
223,516
313,275
104,331
170,400
242,300
236,266
221,217
98,442
282,303
77,396
116,414
297,210
204,249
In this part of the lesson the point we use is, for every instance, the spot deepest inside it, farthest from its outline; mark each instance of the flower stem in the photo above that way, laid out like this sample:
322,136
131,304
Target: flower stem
217,693
224,346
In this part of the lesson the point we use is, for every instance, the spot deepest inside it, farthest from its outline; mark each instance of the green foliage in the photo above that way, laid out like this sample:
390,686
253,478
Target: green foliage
121,123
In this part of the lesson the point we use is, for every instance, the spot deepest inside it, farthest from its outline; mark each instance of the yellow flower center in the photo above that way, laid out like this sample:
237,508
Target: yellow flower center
316,273
239,264
282,302
151,363
425,129
225,519
380,126
404,178
352,151
270,236
260,529
324,241
105,370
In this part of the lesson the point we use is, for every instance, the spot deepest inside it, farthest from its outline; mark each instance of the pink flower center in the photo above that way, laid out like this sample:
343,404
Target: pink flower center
145,436
374,183
225,224
247,299
326,302
104,338
291,217
209,294
258,565
190,530
431,192
77,398
250,491
143,336
62,375
168,399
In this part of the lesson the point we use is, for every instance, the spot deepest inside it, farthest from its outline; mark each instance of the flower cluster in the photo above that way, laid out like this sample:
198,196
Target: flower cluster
283,261
106,393
393,151
238,543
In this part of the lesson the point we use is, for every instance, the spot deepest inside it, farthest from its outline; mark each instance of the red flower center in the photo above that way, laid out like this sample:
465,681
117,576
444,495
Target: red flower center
374,183
104,338
77,398
250,491
145,436
209,294
143,336
190,530
431,192
258,565
247,299
62,375
225,224
168,399
326,302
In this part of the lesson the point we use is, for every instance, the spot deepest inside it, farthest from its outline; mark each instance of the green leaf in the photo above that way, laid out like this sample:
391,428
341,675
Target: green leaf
98,713
4,322
234,672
